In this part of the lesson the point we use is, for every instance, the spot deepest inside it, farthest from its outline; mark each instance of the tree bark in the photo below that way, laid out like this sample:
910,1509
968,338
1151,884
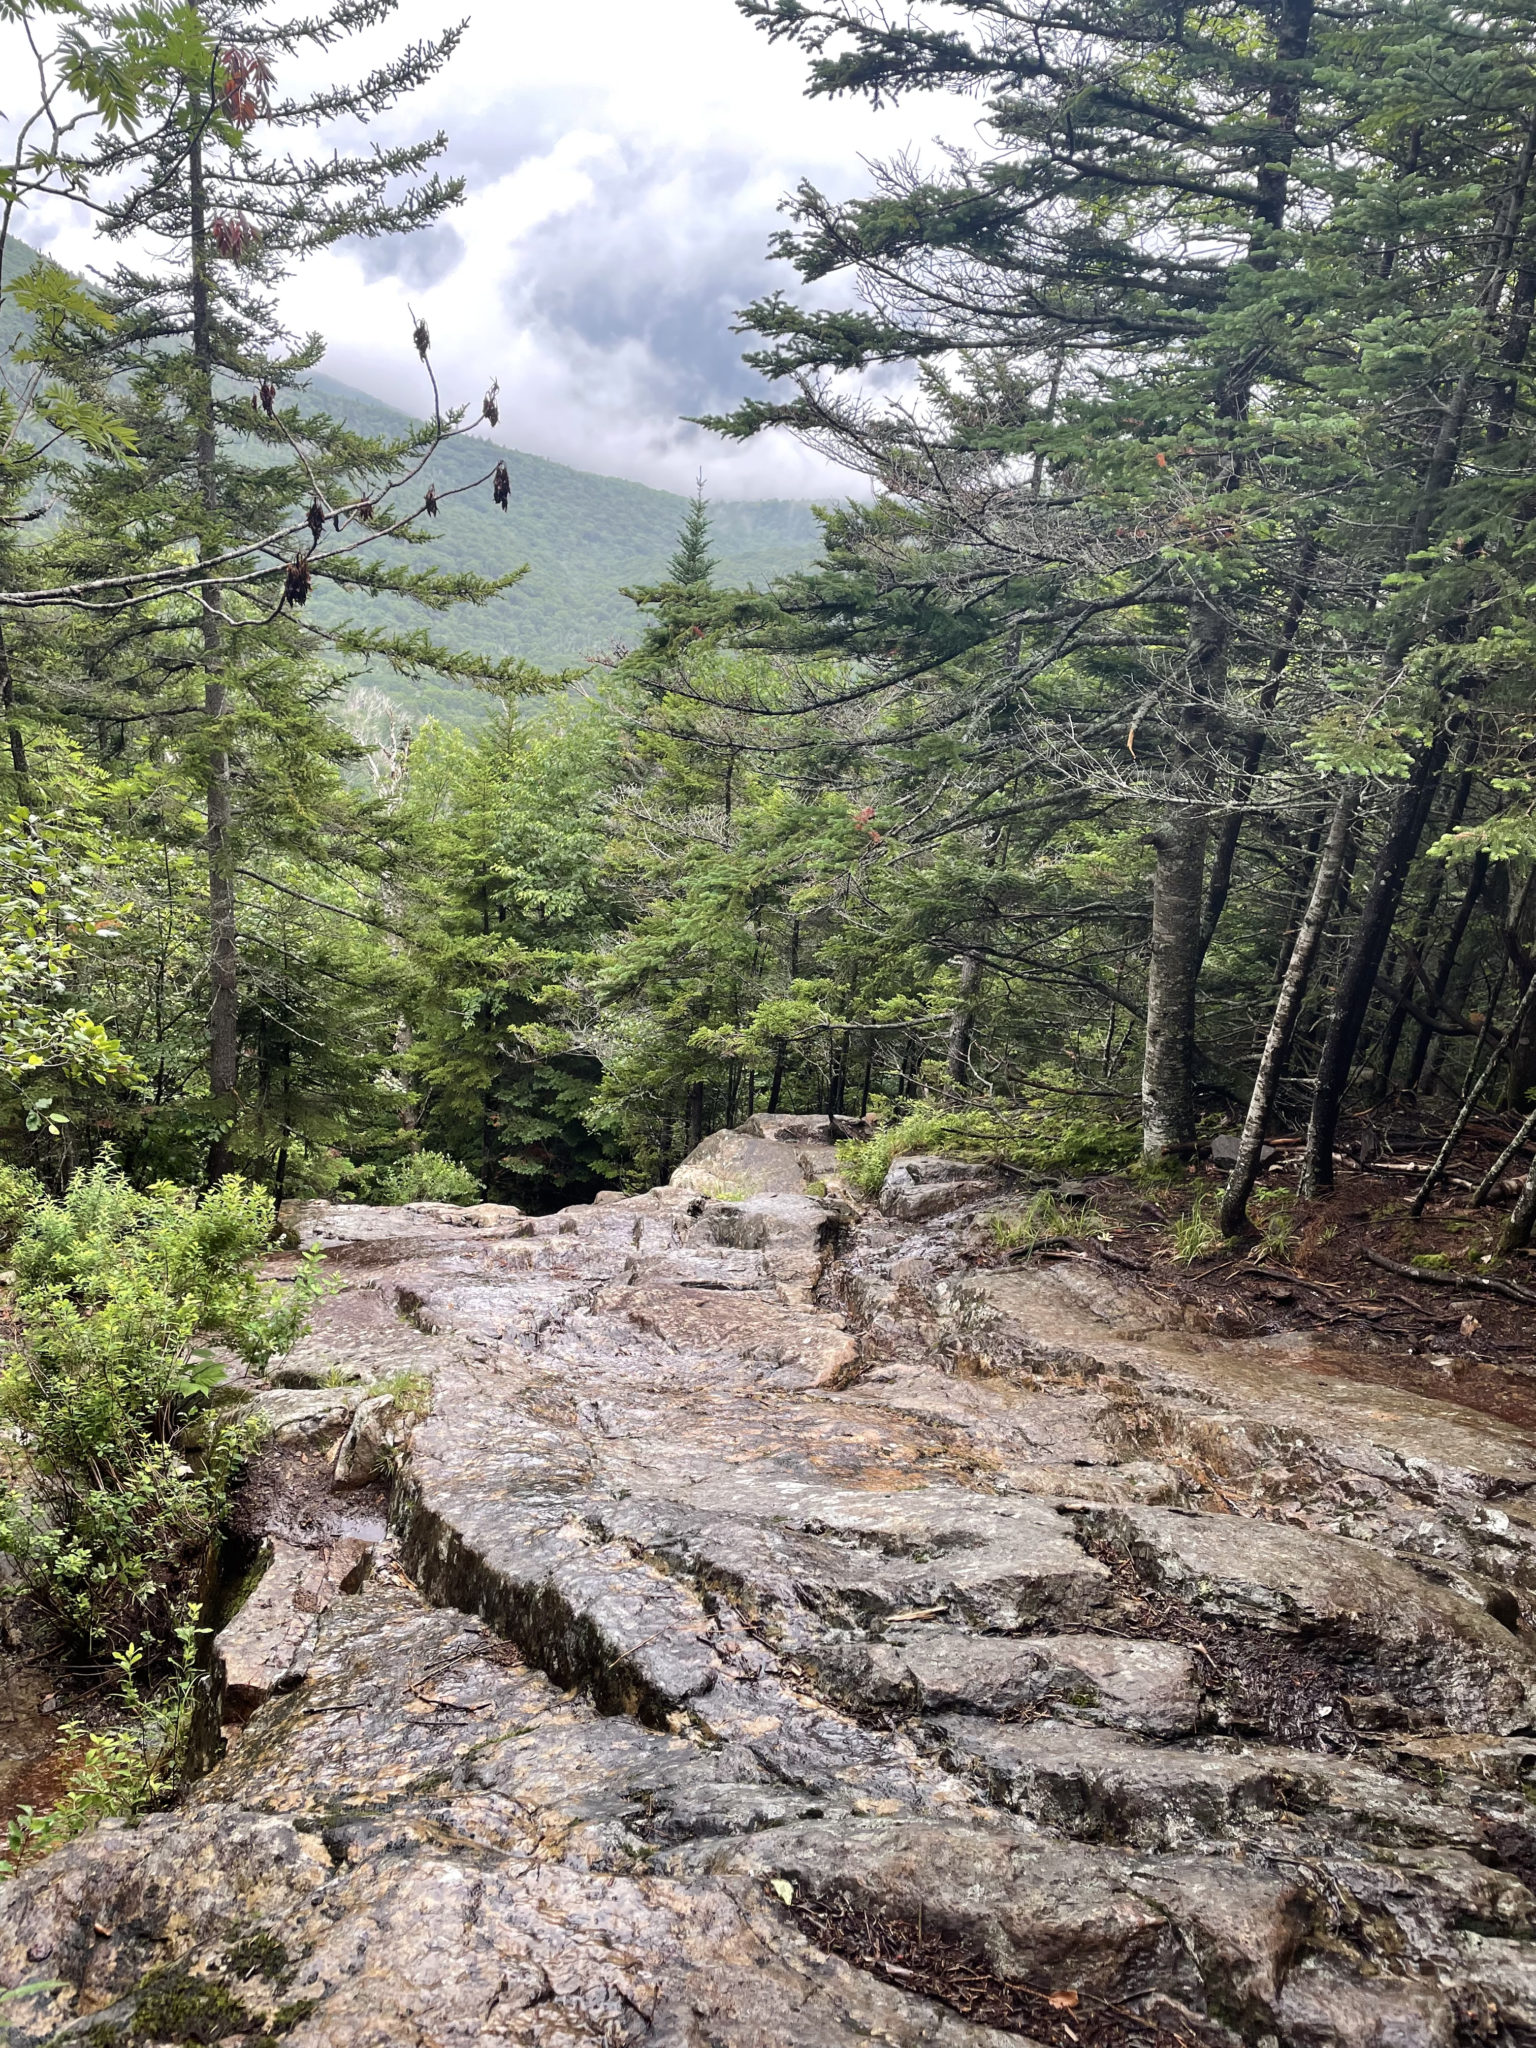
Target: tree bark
1167,1076
223,937
695,1114
1357,979
19,770
1442,977
1417,941
1277,1044
1517,1231
1178,901
962,1018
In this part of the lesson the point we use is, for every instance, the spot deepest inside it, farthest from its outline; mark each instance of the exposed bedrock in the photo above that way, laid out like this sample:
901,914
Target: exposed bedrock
791,1636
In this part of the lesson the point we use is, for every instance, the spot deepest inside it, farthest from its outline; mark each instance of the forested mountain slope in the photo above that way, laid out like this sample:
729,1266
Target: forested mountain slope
584,539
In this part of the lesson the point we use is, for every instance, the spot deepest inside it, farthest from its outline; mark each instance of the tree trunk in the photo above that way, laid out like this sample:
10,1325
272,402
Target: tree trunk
1167,1075
1477,1082
1219,883
1357,978
1417,941
695,1114
13,732
962,1018
1442,978
1277,1044
1517,1231
223,939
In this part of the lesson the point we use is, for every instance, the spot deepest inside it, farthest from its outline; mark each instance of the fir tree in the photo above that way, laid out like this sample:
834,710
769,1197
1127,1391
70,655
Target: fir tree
225,454
692,565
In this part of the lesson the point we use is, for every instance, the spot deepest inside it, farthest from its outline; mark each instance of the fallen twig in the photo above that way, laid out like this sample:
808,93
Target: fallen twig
1283,1273
1429,1276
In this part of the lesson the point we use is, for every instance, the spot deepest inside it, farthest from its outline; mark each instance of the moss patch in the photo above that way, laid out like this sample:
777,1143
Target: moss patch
174,2005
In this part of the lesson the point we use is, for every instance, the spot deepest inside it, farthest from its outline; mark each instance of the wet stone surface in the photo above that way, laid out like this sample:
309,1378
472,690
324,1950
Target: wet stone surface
789,1637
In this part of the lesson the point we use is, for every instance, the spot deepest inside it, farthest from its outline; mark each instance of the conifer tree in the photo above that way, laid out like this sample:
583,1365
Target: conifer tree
1211,487
692,565
228,454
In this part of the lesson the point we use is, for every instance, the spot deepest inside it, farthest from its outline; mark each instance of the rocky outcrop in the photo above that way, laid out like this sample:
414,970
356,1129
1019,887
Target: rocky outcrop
768,1155
791,1635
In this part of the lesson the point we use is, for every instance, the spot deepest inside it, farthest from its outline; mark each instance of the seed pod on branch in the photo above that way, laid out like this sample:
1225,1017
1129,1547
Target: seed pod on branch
429,506
420,336
316,518
365,511
501,486
297,583
490,411
268,396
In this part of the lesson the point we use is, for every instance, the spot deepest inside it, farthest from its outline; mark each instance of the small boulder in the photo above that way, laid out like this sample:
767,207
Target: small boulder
917,1187
266,1648
363,1454
304,1416
731,1165
1224,1149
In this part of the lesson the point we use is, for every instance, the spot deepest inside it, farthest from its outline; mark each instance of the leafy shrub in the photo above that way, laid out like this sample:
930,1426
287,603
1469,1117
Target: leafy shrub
428,1177
21,1196
1038,1140
110,1519
123,1769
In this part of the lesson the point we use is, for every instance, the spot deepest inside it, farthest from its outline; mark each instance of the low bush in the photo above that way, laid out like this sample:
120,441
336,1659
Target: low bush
108,1516
123,1769
21,1196
1036,1140
428,1177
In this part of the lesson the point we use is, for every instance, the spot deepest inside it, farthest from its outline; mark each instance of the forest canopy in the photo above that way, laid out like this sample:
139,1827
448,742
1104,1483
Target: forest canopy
1147,754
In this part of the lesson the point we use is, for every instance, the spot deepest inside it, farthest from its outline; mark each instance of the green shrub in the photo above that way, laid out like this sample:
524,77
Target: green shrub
108,1516
123,1769
21,1196
428,1177
1037,1140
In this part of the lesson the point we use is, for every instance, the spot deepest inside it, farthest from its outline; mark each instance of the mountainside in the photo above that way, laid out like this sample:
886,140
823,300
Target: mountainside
583,537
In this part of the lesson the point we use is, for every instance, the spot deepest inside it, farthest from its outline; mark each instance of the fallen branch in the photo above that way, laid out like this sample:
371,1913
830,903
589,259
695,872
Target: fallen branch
1283,1273
1428,1276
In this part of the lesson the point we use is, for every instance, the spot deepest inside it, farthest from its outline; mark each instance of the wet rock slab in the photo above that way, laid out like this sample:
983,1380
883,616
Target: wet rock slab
786,1629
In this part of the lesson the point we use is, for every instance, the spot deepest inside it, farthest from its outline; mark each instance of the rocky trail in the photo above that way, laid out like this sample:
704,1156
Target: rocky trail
791,1634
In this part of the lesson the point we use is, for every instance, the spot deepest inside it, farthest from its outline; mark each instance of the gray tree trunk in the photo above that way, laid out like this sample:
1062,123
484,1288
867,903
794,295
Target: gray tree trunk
223,937
1277,1044
1173,973
962,1018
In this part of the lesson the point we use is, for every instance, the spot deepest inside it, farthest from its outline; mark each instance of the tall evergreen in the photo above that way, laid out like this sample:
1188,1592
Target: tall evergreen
227,453
1212,487
692,564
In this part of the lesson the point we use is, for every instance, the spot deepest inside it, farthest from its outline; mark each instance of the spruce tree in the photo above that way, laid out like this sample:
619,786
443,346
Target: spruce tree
1214,483
228,454
692,565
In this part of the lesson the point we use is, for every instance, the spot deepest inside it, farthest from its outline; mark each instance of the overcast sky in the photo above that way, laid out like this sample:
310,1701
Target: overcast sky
625,160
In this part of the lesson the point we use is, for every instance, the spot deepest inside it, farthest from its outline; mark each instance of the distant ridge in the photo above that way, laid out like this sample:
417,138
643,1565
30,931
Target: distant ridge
584,538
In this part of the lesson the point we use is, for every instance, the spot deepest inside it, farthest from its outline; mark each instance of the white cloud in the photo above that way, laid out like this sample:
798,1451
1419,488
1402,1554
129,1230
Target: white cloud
624,165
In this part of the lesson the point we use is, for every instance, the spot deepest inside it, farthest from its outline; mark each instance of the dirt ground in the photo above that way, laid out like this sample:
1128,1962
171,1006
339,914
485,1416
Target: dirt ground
1446,1337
